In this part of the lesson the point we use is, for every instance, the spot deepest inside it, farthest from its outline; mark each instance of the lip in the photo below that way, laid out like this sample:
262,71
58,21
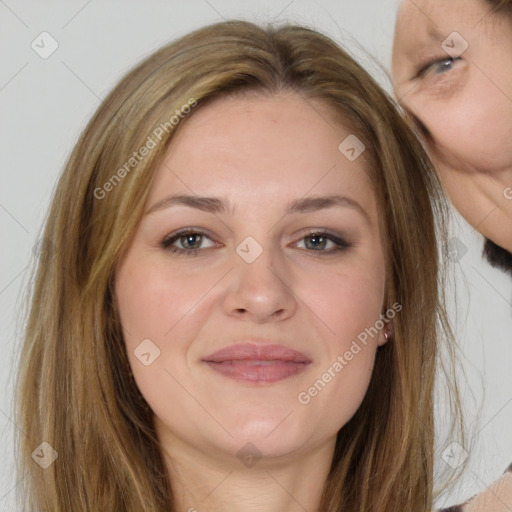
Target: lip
257,362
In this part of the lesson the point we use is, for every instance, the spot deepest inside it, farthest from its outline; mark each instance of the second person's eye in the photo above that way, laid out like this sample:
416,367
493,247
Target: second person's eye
442,66
439,66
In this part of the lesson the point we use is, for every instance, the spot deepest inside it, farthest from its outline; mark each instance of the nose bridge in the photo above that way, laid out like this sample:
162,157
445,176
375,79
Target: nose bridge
259,286
259,265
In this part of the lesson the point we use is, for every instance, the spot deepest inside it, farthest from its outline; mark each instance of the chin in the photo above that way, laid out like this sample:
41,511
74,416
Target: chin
274,437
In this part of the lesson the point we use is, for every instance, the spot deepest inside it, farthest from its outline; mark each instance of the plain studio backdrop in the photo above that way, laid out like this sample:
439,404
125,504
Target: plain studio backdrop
49,90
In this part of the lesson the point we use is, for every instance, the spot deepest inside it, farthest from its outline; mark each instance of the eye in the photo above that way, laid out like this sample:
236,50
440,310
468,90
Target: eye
439,66
320,240
187,241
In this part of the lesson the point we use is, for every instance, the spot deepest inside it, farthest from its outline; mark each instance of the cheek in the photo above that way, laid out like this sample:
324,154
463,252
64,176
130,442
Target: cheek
153,298
348,300
161,312
349,304
473,129
338,385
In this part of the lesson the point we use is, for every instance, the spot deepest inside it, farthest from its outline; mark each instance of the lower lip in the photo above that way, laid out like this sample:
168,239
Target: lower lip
262,371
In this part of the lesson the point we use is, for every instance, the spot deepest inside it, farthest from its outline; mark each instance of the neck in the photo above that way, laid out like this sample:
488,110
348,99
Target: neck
219,483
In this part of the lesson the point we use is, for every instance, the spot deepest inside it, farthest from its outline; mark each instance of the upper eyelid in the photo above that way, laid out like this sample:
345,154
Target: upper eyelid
187,231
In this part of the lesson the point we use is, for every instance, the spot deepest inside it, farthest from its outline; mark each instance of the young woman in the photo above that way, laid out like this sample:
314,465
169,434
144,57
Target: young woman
237,305
452,71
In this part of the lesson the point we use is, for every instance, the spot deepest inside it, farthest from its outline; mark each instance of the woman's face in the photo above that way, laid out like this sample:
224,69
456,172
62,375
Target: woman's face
452,69
228,255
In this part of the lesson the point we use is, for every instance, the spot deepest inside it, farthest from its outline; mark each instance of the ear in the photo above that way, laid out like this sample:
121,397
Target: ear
386,333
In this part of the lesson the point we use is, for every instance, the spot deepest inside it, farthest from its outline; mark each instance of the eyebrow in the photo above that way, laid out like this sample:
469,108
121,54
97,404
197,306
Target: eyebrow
433,36
218,205
422,42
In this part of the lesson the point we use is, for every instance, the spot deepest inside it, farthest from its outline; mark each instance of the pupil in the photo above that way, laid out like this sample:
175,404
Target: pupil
446,65
191,240
316,241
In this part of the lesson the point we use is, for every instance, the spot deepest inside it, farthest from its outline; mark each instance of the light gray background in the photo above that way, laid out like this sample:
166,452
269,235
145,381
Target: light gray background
46,103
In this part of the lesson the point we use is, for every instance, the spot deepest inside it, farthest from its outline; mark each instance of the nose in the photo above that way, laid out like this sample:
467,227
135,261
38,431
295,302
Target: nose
260,291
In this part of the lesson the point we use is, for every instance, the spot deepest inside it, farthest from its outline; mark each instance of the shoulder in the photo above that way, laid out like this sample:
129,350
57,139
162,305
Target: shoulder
496,498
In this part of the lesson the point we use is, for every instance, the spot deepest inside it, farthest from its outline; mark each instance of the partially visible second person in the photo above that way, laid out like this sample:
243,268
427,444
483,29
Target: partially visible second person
452,71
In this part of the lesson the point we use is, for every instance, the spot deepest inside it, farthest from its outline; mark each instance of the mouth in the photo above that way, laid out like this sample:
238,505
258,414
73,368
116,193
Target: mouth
257,363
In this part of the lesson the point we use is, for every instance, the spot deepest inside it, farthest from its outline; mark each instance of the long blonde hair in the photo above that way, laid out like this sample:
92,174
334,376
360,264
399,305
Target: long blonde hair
76,391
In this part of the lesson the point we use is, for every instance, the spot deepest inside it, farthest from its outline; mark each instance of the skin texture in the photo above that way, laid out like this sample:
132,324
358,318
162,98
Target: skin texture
465,103
259,153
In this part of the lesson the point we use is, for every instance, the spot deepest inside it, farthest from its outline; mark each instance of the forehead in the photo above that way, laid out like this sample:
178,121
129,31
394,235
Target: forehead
254,144
435,19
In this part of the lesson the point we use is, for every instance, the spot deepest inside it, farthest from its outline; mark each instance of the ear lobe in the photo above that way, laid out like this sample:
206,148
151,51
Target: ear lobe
386,334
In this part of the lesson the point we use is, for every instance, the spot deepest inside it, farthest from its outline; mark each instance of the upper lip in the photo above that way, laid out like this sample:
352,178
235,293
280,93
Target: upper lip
251,351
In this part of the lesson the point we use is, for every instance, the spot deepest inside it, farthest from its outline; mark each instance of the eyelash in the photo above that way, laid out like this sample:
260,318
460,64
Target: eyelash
425,68
167,242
